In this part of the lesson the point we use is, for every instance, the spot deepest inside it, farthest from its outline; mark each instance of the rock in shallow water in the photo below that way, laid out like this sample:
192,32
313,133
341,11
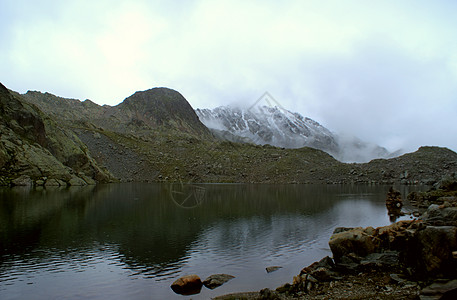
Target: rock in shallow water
217,280
187,285
272,269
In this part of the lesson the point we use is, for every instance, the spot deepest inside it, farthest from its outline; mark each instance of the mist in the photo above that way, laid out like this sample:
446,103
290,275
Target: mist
384,71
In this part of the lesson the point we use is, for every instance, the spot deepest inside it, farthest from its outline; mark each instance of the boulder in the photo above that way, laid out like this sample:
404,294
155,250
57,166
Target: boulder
436,245
385,260
76,181
52,182
438,216
23,180
217,280
440,290
326,262
187,285
357,240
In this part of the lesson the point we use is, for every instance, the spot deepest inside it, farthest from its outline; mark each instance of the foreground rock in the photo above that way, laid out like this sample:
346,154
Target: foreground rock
187,285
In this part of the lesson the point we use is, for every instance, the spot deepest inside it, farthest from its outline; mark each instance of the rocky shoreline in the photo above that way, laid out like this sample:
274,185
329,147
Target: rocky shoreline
413,259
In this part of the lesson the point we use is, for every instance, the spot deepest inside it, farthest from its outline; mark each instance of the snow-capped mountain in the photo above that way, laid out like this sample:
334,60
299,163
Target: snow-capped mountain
282,128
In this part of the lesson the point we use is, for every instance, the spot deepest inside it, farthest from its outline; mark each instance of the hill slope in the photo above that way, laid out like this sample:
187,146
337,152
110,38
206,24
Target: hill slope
158,109
155,136
35,149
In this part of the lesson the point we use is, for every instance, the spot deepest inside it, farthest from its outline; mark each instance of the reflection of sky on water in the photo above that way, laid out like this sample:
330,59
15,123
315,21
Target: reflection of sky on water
245,247
128,241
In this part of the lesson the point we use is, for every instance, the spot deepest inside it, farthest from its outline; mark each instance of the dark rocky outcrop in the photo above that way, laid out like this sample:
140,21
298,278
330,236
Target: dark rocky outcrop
427,250
34,149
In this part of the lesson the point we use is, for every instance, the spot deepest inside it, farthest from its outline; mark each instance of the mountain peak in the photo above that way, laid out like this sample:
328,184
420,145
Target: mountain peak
277,126
161,107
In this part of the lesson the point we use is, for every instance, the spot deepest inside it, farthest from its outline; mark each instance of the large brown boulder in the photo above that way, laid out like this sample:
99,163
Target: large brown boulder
187,285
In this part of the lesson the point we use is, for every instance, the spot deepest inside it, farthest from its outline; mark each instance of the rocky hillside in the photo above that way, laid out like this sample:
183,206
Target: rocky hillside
34,149
155,136
158,109
282,128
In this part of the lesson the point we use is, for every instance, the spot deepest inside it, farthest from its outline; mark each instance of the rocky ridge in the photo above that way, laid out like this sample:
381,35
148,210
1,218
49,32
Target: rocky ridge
35,150
156,136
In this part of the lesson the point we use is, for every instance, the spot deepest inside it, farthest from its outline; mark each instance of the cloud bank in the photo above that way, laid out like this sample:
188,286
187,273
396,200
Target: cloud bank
385,71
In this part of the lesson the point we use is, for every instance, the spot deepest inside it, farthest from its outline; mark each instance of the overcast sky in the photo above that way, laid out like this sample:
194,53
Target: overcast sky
385,71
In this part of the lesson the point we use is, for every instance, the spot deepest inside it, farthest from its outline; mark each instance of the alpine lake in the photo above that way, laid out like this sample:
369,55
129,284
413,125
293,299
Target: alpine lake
133,240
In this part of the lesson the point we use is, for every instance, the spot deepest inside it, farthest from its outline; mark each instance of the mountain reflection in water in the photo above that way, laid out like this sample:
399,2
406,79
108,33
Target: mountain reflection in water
133,240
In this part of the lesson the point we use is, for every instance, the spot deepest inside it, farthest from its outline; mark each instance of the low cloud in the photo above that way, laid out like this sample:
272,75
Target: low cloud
384,71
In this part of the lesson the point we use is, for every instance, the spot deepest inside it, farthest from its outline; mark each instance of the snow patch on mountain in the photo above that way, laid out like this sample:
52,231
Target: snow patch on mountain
283,128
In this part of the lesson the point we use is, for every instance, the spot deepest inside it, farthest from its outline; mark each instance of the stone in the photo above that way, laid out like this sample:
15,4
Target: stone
88,180
268,294
440,290
357,241
326,262
62,183
52,182
323,274
440,216
76,181
394,204
217,280
187,285
435,246
389,259
397,279
272,268
23,180
284,288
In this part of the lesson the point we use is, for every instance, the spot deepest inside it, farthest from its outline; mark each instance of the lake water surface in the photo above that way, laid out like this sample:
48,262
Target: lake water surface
131,241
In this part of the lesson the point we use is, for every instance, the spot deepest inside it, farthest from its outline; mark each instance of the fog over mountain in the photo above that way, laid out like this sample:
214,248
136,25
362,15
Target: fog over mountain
262,124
